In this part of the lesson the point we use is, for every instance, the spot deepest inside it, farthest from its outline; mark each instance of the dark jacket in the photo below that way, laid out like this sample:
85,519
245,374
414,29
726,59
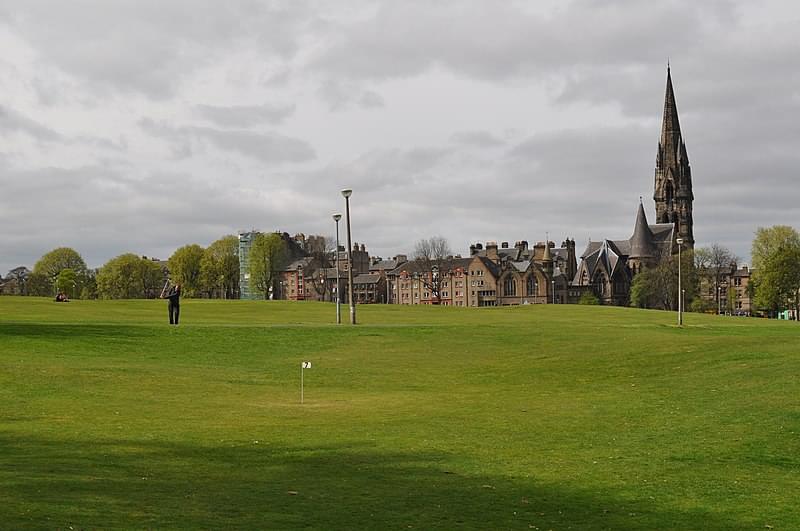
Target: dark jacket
174,295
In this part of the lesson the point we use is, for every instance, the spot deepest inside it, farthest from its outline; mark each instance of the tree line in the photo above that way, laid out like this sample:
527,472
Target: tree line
211,272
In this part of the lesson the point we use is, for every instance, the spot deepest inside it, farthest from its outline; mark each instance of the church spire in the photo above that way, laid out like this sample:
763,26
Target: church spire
670,126
673,176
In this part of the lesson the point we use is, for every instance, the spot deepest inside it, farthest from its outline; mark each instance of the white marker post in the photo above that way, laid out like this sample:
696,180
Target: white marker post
303,366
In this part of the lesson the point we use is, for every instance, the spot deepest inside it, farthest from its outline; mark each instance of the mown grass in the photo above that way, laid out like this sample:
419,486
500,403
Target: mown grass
538,417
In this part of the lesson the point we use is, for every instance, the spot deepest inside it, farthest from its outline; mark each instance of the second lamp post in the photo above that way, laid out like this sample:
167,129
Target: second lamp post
346,194
336,218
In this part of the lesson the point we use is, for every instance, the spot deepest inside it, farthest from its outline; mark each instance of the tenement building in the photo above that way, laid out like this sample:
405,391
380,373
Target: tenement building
490,276
608,266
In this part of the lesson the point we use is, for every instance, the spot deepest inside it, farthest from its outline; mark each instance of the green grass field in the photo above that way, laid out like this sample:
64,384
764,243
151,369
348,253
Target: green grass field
537,417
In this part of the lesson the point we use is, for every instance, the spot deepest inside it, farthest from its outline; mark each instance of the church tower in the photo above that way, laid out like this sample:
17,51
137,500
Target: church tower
673,187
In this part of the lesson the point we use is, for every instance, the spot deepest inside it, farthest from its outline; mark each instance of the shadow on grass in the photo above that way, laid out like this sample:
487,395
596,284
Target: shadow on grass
64,331
53,483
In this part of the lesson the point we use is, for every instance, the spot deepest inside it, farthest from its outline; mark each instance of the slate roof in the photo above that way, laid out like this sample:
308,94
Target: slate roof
384,265
302,263
416,266
367,278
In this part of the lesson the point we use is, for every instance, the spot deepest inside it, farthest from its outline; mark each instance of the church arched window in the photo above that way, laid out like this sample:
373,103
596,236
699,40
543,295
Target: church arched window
531,287
510,286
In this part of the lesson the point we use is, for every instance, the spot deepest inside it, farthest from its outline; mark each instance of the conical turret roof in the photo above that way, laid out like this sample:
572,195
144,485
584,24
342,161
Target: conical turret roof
642,239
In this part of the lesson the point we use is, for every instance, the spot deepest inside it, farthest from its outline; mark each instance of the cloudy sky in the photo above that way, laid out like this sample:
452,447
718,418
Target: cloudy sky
143,125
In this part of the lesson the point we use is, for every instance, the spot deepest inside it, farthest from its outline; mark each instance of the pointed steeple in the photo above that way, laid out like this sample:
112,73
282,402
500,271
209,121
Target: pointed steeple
673,176
670,126
642,239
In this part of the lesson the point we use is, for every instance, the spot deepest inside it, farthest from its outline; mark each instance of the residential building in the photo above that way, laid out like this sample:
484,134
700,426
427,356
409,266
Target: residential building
732,294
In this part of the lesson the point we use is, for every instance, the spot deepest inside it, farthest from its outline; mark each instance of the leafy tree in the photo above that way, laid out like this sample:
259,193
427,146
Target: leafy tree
657,287
184,269
39,285
589,299
128,276
268,255
434,261
152,277
52,263
219,268
778,283
67,283
768,240
703,305
644,289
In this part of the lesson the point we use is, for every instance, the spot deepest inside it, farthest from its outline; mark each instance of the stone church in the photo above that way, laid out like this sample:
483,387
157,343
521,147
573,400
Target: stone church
608,266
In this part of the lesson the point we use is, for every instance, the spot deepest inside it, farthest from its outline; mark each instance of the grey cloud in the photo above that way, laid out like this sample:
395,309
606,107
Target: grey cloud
371,100
340,95
491,40
245,115
481,139
270,148
13,121
148,46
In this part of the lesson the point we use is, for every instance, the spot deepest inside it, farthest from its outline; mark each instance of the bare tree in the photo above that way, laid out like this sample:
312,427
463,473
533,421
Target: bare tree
433,260
20,276
322,248
714,263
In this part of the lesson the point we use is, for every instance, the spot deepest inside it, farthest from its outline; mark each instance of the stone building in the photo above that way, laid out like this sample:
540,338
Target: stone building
608,266
386,269
491,276
734,293
297,279
369,288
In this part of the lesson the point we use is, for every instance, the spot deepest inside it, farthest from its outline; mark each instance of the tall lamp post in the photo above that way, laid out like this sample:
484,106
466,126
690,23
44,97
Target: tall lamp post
719,300
336,218
679,241
553,285
346,194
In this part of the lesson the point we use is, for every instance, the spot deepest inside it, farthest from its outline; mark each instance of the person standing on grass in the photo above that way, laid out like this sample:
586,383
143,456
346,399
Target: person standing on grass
174,306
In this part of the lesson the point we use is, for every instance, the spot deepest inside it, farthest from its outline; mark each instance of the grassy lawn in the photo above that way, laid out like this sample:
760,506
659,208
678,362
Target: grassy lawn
537,417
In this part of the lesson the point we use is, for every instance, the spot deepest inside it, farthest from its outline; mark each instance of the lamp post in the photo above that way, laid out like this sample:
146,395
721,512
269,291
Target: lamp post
346,194
679,241
553,285
719,300
336,218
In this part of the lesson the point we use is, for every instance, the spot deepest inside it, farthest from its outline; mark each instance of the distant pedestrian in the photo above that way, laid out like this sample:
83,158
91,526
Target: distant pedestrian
174,305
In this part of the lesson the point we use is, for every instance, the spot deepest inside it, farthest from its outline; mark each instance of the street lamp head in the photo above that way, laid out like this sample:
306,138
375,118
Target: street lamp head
337,217
679,241
347,192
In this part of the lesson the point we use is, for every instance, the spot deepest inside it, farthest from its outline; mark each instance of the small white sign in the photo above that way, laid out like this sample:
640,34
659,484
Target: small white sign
306,365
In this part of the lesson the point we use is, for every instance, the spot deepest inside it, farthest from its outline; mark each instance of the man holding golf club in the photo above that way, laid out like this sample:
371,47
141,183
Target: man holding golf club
173,295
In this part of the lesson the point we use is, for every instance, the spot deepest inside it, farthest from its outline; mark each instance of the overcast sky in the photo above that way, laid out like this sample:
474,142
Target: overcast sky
143,125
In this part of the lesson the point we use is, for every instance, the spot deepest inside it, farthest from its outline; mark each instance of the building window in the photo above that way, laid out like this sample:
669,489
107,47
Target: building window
509,286
532,287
